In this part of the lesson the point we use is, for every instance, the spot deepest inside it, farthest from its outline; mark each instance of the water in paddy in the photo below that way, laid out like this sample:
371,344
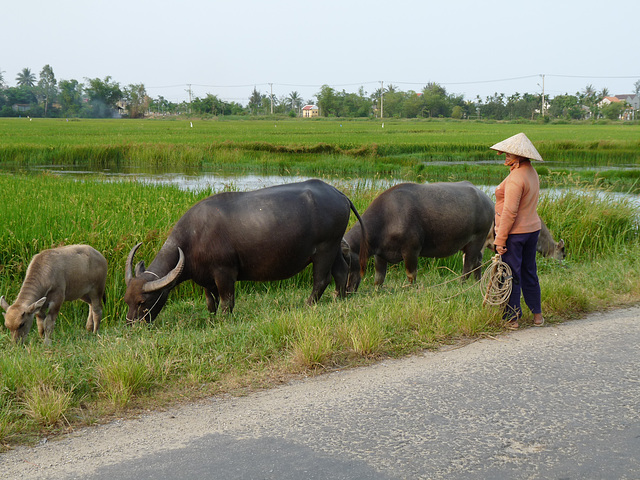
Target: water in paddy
216,182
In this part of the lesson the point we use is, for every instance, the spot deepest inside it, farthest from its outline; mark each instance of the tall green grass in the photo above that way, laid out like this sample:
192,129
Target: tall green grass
589,219
83,378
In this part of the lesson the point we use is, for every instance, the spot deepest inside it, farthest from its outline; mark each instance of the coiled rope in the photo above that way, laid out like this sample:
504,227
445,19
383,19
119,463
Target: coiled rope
496,282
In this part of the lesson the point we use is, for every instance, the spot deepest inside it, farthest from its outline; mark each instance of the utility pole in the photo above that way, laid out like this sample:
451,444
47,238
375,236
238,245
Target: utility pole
189,91
542,96
381,99
271,97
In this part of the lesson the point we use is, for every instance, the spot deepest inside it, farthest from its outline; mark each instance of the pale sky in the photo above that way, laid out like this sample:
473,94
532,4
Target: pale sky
226,47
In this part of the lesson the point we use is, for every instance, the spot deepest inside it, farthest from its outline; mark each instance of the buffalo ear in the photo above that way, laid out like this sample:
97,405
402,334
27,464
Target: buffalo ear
37,305
4,304
561,243
140,269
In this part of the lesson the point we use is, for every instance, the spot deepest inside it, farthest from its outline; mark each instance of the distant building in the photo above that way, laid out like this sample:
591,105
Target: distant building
631,101
633,106
121,106
608,101
310,111
21,107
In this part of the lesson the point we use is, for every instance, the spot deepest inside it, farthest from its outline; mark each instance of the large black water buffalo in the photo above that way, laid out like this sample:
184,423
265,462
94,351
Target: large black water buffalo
264,235
411,220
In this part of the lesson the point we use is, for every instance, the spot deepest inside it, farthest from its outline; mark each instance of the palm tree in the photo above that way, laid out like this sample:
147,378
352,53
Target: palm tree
255,101
589,91
25,78
294,100
589,98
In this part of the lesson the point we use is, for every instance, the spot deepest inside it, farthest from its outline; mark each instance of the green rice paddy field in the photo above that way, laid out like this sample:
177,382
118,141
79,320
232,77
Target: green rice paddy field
272,336
408,150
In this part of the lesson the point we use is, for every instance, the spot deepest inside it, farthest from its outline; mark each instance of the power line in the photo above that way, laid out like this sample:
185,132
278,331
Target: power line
338,85
474,82
471,82
168,86
592,76
233,86
265,84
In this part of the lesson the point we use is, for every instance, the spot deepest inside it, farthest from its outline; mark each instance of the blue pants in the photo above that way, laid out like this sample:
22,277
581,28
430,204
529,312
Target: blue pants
521,257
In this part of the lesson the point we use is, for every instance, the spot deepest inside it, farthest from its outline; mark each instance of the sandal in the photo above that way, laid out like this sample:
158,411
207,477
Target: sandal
538,323
512,325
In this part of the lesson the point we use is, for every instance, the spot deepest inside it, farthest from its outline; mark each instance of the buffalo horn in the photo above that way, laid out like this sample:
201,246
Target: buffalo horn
128,271
167,279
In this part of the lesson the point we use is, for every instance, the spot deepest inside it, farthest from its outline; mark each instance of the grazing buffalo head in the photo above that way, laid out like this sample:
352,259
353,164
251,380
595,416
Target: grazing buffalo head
547,246
558,251
147,291
353,262
491,237
19,318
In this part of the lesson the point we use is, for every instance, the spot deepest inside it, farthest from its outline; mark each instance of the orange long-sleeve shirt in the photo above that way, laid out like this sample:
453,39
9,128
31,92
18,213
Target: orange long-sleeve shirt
516,202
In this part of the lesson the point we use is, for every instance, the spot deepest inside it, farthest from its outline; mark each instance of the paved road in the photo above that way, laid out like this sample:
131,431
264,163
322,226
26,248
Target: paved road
555,402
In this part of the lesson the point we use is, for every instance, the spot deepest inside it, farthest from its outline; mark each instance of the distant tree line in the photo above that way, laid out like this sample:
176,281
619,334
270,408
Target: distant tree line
45,96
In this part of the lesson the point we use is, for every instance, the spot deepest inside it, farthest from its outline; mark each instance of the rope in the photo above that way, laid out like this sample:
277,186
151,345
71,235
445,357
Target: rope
479,267
496,282
461,291
458,278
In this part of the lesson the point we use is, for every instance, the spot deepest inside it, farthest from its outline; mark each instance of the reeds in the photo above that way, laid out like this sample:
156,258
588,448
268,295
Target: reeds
590,220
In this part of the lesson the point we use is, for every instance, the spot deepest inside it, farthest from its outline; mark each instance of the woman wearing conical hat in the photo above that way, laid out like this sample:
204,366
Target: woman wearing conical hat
517,225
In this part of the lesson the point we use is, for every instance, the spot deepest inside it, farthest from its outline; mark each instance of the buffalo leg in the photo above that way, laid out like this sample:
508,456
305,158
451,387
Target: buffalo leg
95,314
321,279
226,290
472,259
49,323
212,298
89,324
381,270
40,322
411,266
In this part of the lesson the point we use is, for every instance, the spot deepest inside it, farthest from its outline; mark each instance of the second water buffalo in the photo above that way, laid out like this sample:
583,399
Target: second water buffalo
55,276
263,235
411,220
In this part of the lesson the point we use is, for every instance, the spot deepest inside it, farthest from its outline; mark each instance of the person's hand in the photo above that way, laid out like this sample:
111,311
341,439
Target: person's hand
501,250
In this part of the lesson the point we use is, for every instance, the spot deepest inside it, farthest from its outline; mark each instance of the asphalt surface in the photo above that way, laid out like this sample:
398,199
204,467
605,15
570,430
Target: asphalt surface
557,402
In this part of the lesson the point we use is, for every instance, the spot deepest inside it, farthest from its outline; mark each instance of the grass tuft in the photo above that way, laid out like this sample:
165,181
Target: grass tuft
46,404
366,336
125,371
313,345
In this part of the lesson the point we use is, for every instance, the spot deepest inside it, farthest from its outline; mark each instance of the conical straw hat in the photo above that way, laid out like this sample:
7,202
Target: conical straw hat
518,145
